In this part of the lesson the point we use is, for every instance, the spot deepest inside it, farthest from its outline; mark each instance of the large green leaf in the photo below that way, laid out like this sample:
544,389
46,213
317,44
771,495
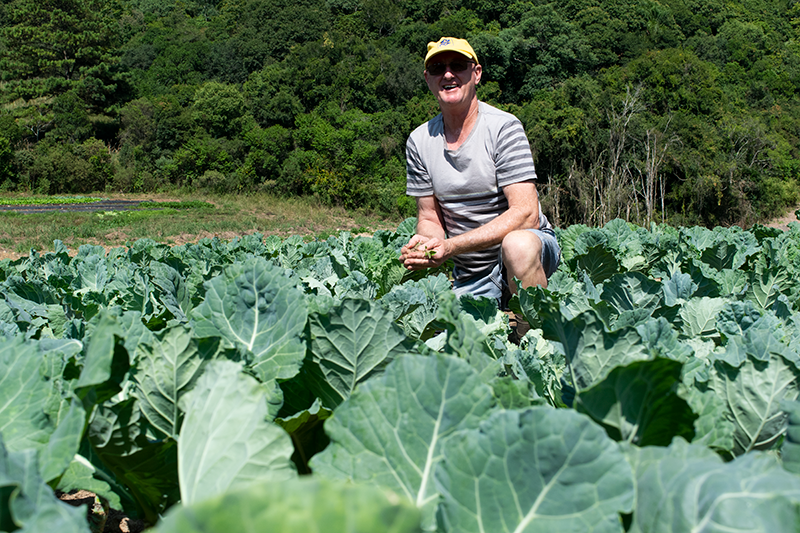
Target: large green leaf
107,359
168,368
688,488
538,470
731,282
27,502
766,283
662,340
541,364
83,475
722,255
33,412
390,430
699,316
23,394
712,427
593,352
414,304
91,271
301,505
469,338
639,403
351,343
227,440
678,287
790,451
64,442
632,291
736,317
752,393
598,262
255,306
173,292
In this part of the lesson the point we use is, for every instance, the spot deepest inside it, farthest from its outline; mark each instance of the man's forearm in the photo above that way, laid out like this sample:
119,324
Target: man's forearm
489,234
522,213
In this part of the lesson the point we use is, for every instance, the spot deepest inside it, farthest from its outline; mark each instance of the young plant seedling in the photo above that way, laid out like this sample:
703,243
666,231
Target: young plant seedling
428,253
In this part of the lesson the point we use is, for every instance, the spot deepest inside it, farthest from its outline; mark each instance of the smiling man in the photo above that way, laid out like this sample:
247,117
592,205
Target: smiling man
471,171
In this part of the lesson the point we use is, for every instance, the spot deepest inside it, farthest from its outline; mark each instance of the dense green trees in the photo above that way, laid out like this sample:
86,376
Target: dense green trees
678,110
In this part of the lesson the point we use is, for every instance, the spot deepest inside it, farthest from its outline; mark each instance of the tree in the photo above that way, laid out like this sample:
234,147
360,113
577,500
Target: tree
51,48
218,107
50,44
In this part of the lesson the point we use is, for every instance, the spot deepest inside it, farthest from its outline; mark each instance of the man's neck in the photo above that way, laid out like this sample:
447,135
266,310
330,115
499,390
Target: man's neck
458,124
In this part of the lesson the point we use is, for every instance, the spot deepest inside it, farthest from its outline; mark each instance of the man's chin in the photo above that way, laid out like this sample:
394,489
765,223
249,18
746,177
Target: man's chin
450,99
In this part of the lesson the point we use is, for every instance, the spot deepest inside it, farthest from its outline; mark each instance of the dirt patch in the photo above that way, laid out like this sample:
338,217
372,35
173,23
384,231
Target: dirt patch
101,519
783,222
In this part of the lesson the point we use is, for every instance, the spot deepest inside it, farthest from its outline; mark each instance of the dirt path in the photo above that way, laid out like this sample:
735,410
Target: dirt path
783,222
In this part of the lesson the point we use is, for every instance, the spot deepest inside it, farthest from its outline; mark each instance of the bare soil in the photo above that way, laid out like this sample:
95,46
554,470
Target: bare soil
100,517
783,222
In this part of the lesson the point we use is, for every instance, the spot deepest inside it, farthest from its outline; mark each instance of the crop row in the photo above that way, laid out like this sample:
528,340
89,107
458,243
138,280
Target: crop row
269,384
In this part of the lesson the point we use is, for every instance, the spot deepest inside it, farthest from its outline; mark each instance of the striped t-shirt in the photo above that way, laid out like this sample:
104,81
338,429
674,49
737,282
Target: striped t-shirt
468,182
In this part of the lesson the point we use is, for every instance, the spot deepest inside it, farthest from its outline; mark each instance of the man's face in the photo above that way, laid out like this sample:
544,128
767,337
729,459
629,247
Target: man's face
452,87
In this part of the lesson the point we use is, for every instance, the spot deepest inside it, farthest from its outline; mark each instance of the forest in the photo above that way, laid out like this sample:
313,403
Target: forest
677,111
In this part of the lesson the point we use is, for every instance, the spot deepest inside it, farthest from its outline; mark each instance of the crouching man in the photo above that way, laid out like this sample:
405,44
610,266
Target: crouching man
471,171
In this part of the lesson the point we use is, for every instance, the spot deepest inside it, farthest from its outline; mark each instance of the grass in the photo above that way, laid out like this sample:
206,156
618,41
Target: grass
188,220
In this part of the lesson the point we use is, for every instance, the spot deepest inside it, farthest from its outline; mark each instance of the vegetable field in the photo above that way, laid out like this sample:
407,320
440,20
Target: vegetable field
282,385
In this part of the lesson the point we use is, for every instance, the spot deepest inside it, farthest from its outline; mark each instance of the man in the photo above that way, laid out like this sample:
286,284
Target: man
471,171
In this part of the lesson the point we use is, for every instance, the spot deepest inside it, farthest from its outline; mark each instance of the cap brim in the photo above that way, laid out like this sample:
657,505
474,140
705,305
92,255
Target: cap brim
437,52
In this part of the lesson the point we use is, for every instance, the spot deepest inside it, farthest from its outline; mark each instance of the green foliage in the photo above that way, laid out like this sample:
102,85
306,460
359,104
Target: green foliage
306,504
48,45
7,170
57,169
153,374
45,200
218,108
70,120
649,111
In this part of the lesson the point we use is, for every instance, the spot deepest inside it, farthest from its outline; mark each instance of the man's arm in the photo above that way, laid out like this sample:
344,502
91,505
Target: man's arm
522,213
429,226
430,223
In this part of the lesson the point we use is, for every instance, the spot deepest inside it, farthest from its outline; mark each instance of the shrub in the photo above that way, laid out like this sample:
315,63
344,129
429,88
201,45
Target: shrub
215,181
65,169
7,170
203,153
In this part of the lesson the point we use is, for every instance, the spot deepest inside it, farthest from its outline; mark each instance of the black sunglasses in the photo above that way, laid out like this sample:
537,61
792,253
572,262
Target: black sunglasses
437,69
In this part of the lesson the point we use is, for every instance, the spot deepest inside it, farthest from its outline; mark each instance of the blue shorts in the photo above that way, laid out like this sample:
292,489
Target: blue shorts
492,284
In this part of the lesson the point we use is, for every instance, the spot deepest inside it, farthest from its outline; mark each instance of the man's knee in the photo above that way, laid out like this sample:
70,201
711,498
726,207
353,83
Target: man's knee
522,250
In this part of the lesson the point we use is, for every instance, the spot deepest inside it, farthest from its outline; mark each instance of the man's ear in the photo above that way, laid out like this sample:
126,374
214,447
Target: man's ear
478,73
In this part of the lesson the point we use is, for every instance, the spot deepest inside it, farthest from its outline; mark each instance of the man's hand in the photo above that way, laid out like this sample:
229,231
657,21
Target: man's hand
422,252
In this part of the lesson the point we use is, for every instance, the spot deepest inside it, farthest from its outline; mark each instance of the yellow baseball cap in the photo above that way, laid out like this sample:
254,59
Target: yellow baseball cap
450,44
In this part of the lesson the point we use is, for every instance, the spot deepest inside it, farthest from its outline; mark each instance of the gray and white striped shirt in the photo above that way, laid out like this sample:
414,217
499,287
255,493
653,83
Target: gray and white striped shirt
468,182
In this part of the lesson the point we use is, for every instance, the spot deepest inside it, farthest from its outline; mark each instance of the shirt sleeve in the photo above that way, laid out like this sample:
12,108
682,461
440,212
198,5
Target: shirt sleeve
513,159
418,181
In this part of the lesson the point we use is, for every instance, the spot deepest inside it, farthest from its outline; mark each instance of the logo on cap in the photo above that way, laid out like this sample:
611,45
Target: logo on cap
444,42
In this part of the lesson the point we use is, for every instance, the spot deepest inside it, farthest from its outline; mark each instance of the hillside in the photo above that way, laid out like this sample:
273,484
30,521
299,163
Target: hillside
683,111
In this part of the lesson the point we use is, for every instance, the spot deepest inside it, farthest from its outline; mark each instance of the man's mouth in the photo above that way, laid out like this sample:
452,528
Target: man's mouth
450,86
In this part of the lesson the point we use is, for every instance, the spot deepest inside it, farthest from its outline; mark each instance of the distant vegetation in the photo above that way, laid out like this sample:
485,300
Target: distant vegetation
684,111
45,200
